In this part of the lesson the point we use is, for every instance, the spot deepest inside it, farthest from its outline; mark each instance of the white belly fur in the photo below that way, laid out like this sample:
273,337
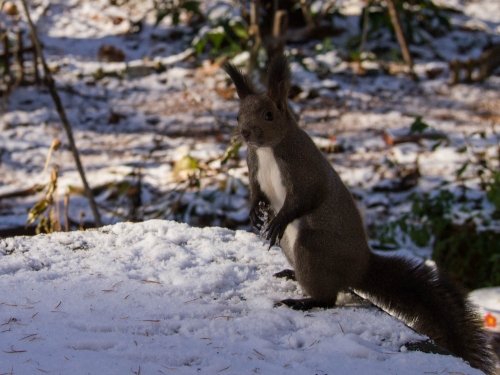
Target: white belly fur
271,183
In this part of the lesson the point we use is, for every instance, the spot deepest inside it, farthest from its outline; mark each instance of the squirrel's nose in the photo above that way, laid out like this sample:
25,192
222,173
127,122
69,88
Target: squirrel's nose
245,133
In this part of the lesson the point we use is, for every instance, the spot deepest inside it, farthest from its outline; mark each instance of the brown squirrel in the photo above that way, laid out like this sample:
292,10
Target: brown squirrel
320,230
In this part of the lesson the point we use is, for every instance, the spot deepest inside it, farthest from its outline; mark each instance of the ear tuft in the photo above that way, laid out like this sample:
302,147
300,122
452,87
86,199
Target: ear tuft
278,80
243,85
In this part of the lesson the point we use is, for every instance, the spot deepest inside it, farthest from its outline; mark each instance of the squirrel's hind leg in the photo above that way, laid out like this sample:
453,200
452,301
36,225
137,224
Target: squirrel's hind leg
286,274
305,304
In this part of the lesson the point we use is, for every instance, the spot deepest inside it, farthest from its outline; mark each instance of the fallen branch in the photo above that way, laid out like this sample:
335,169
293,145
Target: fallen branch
14,351
142,67
391,140
49,80
23,192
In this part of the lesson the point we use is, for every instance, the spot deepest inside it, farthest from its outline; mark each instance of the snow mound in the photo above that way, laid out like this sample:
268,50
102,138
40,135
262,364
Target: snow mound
161,297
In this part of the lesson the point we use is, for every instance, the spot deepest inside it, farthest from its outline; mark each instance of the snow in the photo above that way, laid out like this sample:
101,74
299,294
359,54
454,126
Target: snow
161,297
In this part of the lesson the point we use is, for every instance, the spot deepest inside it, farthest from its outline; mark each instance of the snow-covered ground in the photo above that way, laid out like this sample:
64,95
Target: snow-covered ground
161,297
132,126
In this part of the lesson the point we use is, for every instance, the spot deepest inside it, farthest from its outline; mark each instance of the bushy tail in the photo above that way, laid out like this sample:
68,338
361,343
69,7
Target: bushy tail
430,303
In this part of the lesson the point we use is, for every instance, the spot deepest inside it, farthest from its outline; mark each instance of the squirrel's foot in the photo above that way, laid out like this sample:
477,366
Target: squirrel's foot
304,304
286,274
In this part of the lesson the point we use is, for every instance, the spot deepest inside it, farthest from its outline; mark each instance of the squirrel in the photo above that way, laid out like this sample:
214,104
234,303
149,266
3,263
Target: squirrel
321,232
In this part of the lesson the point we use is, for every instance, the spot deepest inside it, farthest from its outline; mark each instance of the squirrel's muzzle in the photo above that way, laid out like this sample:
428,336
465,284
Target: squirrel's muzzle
245,133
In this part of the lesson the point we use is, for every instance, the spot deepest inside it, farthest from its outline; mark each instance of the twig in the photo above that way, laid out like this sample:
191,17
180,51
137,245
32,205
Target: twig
22,193
254,33
262,356
66,212
62,114
275,44
14,351
396,23
364,31
31,337
307,13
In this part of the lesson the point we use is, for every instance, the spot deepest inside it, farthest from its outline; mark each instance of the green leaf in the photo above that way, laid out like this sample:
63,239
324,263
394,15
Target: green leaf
175,18
418,126
493,190
420,235
216,38
199,45
239,30
192,6
186,163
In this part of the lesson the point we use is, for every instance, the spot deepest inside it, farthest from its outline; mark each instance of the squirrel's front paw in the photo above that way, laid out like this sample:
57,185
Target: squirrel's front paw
260,213
275,231
255,217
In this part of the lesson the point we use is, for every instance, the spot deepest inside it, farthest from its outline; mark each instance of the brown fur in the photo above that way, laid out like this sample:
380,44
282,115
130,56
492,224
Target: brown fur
331,253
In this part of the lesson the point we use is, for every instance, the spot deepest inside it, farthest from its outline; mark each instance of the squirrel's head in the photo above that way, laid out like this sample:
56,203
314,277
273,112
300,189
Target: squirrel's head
264,118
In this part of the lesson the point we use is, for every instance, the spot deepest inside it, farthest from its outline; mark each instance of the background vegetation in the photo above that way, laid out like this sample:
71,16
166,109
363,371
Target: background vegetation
389,41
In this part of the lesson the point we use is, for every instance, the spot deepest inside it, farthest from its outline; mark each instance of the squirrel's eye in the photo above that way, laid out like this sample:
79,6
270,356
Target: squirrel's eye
268,116
238,118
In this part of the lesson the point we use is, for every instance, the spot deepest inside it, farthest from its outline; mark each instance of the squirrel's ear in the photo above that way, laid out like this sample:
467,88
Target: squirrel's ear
242,83
278,80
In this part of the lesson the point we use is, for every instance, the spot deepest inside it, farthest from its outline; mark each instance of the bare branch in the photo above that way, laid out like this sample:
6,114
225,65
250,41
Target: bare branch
62,115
